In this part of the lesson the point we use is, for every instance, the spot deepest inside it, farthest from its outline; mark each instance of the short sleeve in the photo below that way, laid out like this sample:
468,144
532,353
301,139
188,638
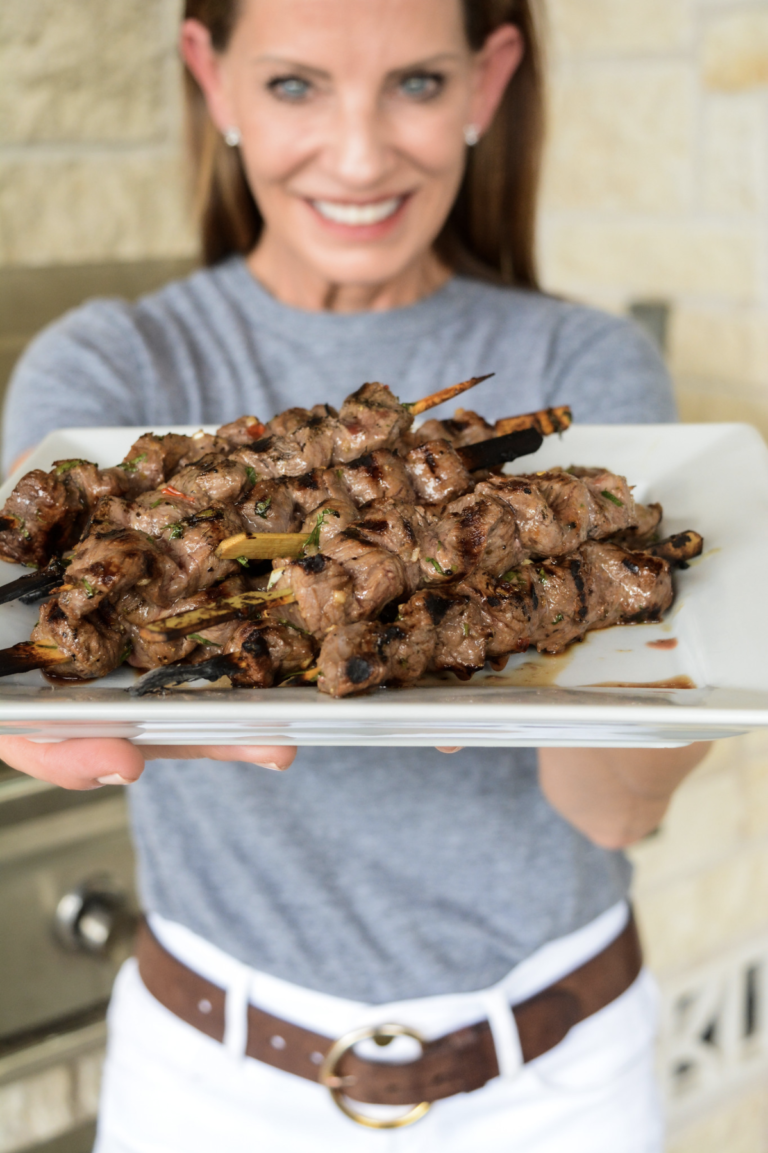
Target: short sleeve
610,372
83,371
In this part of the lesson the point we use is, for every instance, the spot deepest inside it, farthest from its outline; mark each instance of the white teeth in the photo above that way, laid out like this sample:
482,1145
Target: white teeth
357,214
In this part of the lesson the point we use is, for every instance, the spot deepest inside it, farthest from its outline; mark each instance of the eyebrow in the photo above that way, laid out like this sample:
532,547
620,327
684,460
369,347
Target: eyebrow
297,65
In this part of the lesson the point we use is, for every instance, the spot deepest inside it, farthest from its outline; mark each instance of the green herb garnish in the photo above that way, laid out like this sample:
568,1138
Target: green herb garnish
130,466
543,577
291,625
251,474
243,560
90,591
66,466
613,499
126,652
465,628
176,530
24,531
157,503
261,508
313,540
201,640
556,620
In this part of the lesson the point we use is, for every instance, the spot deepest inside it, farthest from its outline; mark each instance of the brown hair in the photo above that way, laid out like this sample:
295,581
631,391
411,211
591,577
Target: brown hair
490,232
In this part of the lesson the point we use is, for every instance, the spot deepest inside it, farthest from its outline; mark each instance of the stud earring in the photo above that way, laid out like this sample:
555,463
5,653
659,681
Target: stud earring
471,135
232,136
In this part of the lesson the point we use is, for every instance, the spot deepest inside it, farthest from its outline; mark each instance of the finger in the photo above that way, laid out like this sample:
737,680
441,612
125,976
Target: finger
77,764
452,749
277,757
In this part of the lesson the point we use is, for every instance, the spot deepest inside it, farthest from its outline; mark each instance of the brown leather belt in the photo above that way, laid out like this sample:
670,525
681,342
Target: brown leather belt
456,1063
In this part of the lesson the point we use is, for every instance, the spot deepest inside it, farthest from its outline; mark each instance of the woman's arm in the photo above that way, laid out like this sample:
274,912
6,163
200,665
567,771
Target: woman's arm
615,796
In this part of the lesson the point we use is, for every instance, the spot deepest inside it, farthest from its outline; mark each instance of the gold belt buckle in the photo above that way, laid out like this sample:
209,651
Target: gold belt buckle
382,1035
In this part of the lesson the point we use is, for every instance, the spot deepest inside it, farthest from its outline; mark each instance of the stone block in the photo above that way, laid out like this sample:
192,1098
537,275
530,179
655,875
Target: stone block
84,71
705,821
735,1127
621,138
99,206
658,259
35,1109
614,27
685,921
734,154
716,344
734,50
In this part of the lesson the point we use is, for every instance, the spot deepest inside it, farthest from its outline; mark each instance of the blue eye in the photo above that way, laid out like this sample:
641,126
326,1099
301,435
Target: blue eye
422,85
291,88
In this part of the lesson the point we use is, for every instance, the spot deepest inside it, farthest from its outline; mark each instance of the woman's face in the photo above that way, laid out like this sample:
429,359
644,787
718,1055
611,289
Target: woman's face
352,115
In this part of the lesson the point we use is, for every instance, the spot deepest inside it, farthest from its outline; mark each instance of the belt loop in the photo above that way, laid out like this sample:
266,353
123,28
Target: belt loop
506,1038
236,1014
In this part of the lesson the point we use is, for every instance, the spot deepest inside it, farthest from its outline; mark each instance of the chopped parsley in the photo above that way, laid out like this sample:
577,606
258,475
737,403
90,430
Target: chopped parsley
66,466
290,625
262,507
543,577
90,591
156,503
313,540
176,530
613,499
243,560
250,472
23,530
126,652
465,629
130,466
201,640
556,620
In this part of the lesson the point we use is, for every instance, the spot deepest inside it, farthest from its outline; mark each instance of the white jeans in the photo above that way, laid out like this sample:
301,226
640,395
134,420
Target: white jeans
170,1089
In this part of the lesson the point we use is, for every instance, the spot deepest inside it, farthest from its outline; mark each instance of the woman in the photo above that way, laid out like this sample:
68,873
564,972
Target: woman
352,230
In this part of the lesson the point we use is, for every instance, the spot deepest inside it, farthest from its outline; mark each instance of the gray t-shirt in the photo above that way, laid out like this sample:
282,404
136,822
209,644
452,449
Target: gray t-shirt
371,874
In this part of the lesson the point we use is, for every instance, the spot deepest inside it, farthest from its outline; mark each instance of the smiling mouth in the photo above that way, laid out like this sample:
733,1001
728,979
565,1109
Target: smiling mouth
358,215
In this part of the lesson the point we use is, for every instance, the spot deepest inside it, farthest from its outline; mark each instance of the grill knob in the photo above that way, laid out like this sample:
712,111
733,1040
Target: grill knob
89,919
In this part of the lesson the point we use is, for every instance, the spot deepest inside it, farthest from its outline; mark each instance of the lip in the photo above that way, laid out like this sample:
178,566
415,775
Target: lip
359,232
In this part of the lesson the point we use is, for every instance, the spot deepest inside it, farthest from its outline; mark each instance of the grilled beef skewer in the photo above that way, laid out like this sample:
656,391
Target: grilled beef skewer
460,628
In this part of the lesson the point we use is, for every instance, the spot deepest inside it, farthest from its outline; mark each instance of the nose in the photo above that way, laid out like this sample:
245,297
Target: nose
359,151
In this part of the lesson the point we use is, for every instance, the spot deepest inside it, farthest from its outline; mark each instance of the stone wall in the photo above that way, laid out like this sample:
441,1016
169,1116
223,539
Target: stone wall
656,190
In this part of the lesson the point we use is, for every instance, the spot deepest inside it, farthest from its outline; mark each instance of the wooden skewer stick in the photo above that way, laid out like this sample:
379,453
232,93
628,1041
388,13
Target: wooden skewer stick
243,606
24,657
262,545
159,679
546,421
418,406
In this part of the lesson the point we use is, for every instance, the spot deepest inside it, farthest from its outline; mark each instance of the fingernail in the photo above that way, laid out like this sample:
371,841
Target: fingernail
270,765
113,779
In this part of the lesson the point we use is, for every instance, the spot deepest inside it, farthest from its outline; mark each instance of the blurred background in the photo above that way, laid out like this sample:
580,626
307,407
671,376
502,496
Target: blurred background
655,204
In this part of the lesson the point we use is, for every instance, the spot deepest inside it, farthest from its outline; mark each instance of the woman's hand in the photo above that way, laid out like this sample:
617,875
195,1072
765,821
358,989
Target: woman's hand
90,762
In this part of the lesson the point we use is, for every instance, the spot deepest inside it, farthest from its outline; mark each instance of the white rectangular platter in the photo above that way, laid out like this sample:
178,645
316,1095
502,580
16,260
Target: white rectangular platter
618,688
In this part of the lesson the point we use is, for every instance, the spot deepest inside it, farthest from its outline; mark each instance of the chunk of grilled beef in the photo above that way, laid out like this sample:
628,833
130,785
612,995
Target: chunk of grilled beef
263,653
400,528
214,478
437,472
293,454
379,475
465,428
152,459
36,519
370,418
378,576
149,653
242,431
268,507
200,445
323,590
476,531
95,644
328,519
